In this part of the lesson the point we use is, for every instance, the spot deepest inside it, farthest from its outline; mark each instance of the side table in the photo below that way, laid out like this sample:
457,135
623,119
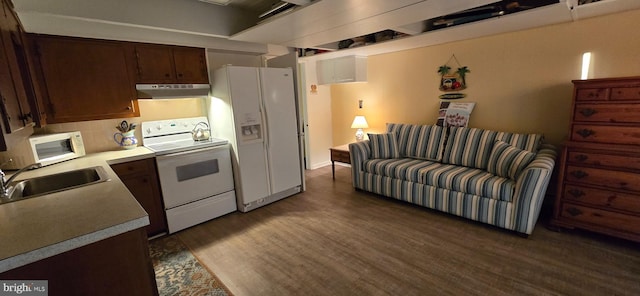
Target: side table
339,154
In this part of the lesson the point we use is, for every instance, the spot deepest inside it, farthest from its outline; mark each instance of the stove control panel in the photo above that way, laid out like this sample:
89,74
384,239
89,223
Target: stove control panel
172,126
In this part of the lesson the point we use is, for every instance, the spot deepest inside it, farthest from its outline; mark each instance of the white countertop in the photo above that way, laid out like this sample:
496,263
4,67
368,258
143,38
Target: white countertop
40,227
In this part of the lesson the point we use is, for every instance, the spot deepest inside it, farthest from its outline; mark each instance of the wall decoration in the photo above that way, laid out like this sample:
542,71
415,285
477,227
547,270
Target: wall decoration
454,114
453,81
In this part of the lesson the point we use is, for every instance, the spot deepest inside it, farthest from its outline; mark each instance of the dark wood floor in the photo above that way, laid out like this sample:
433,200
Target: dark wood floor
333,240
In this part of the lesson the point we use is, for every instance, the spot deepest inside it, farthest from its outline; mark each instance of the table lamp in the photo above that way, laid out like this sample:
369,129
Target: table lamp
359,122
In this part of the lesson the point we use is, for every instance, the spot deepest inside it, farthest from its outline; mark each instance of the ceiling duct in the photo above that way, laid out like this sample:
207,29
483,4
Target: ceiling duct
277,8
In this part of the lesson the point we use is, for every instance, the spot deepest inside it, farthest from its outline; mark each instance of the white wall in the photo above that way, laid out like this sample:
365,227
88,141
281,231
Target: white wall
318,130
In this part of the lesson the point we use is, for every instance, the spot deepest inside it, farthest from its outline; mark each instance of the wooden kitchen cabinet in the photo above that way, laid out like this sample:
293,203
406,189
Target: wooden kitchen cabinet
119,265
170,64
84,79
599,170
16,91
141,179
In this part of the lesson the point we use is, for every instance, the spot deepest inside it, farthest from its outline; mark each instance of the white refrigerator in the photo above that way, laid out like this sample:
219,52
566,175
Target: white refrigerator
255,109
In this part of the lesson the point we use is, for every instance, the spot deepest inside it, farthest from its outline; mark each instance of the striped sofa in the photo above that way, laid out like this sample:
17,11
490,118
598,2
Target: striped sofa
497,178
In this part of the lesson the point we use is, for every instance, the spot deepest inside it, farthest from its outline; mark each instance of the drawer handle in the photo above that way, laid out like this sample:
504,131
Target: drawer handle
579,174
588,112
574,212
576,193
585,132
581,157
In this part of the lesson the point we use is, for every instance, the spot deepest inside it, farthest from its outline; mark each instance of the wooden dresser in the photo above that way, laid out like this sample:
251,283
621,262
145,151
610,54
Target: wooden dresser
599,180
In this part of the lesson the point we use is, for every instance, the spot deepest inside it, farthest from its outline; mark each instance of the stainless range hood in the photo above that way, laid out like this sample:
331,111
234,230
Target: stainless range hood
172,91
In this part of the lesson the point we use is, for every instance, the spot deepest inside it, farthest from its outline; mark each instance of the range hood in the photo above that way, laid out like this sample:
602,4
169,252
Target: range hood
172,91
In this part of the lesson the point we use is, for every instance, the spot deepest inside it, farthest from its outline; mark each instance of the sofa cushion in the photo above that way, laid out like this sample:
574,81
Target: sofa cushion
419,141
508,161
384,145
406,169
471,181
452,177
469,147
529,142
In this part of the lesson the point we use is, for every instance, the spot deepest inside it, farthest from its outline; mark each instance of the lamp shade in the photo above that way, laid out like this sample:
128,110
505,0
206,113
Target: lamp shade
359,122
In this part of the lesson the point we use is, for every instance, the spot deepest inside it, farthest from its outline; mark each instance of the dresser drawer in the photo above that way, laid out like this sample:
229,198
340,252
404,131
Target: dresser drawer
613,220
605,178
601,159
592,94
612,113
629,135
602,198
625,93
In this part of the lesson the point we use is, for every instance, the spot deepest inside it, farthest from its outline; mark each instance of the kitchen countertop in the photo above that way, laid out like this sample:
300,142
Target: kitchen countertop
40,227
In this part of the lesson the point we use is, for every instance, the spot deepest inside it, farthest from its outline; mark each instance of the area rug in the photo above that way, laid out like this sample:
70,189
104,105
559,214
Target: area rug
178,272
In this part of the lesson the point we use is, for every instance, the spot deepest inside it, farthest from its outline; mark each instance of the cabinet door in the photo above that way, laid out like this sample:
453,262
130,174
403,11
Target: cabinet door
191,65
144,189
141,179
154,64
324,71
85,79
16,81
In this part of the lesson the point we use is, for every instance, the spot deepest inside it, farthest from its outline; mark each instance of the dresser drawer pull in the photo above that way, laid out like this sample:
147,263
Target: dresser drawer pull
581,157
574,212
576,193
585,132
610,199
579,174
594,94
588,112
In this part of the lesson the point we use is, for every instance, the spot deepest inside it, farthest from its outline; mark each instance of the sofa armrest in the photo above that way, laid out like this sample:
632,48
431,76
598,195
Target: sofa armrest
531,187
359,152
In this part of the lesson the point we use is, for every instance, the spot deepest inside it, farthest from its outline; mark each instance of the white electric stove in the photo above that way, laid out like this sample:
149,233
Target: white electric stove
195,176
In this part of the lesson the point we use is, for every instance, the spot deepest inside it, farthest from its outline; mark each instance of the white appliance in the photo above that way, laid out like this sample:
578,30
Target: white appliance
196,177
255,109
45,149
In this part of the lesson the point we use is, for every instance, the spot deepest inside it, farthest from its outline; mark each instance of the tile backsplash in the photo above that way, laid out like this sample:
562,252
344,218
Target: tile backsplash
98,134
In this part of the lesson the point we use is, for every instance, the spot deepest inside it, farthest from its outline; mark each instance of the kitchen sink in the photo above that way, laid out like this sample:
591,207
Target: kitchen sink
39,186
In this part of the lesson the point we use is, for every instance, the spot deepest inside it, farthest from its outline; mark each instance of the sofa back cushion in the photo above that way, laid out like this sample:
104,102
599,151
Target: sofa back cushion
529,142
419,141
508,161
383,145
469,147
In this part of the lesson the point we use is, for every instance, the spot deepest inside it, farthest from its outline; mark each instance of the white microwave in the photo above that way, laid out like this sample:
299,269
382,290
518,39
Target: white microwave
46,150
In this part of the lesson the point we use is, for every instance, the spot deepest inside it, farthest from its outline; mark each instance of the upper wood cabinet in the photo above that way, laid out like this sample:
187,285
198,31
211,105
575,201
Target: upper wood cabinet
84,79
17,97
170,64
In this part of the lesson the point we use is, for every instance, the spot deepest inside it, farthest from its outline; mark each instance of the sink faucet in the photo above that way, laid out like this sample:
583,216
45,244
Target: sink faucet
4,183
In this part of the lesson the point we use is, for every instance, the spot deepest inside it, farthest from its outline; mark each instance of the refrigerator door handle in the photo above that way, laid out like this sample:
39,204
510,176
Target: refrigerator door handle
265,133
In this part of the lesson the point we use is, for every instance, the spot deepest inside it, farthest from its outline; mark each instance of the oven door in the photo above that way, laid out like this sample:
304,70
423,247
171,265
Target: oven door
194,175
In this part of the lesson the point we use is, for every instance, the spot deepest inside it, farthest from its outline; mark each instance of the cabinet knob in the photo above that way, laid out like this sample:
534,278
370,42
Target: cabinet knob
585,132
587,112
593,94
167,75
180,75
129,108
25,116
579,174
577,193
